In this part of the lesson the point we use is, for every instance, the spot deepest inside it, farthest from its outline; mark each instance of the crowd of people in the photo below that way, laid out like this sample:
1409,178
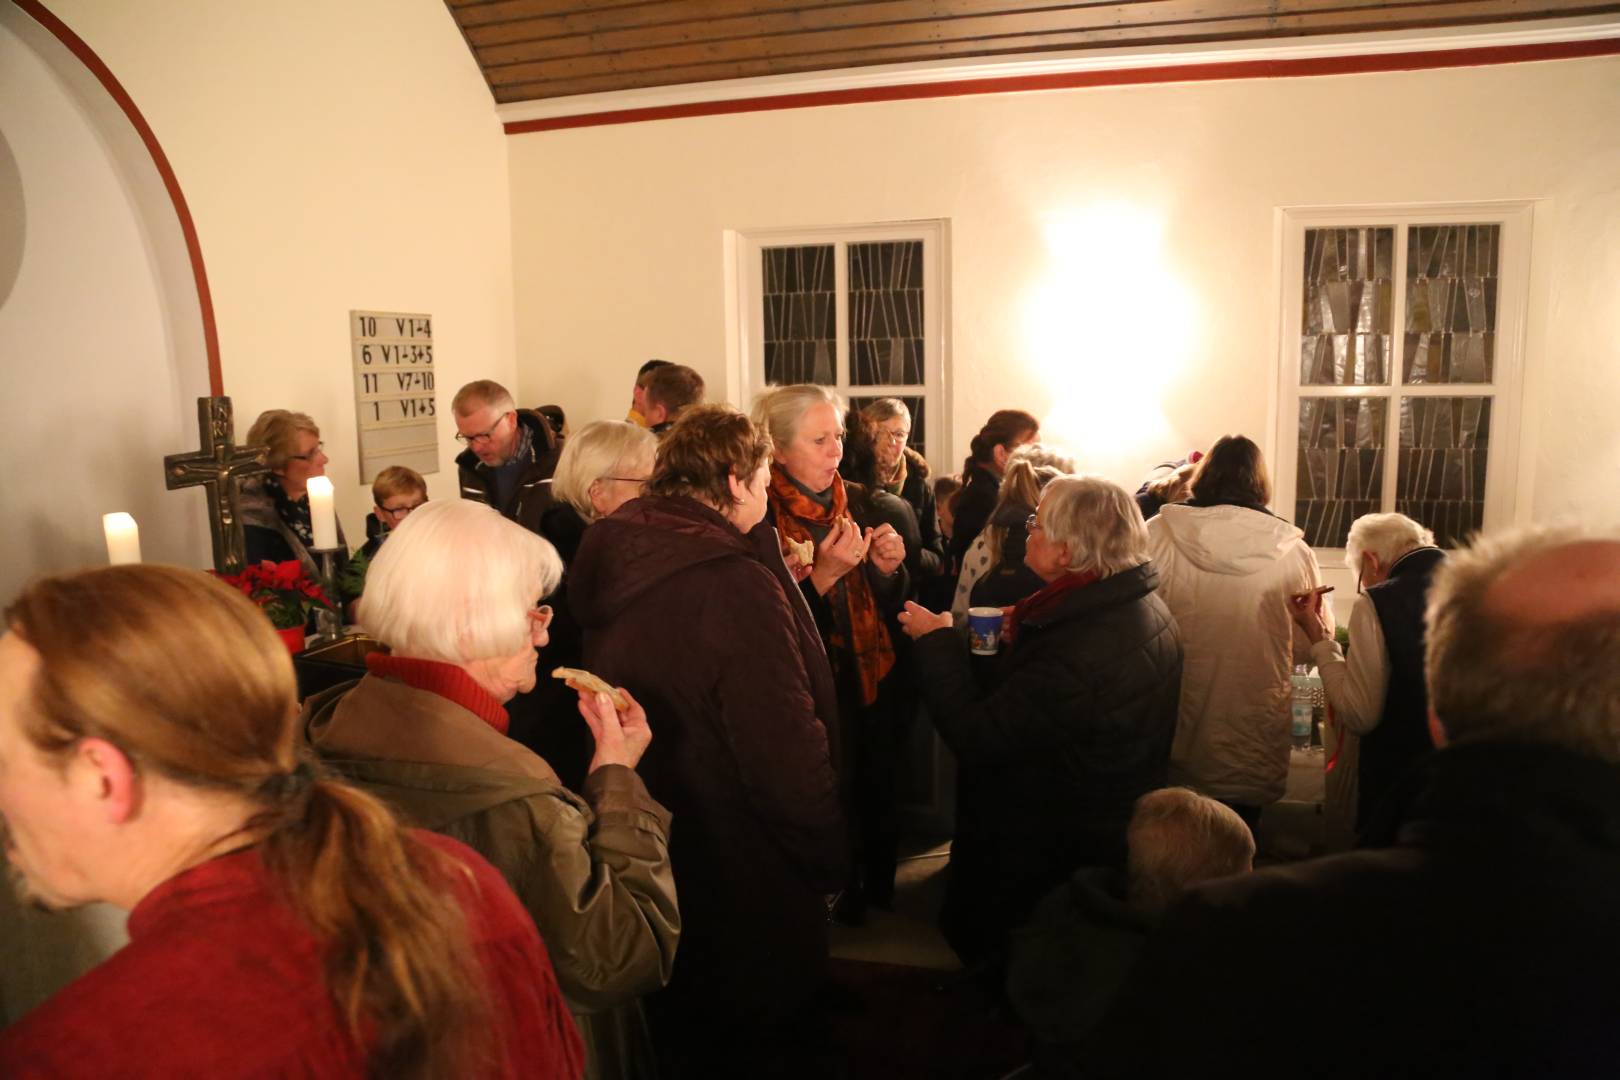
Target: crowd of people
456,866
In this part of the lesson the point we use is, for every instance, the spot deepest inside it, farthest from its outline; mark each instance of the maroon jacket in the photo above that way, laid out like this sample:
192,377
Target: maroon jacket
707,629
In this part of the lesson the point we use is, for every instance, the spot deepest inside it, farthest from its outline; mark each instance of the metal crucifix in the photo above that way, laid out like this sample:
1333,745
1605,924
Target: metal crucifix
220,467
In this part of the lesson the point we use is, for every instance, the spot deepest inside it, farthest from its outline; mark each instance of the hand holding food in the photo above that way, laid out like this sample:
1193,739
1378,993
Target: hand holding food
586,683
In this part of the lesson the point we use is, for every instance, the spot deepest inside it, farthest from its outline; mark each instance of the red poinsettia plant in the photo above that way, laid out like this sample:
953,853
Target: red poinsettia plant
282,590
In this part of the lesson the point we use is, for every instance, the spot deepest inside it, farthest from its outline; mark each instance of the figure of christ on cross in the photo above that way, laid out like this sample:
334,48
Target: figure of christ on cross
220,467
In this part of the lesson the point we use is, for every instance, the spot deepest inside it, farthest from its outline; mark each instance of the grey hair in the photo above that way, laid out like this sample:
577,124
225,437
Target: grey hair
1100,522
480,393
1386,536
780,410
1178,838
886,408
600,449
1493,678
455,582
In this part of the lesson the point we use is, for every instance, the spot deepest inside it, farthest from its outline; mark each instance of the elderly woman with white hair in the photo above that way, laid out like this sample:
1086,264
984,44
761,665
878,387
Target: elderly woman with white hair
1053,758
454,596
1379,692
602,467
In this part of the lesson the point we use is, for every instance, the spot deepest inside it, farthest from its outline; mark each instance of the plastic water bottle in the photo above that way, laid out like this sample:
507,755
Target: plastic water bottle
1303,707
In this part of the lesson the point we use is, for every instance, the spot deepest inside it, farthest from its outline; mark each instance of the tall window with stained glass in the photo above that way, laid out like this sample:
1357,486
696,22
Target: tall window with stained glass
1436,403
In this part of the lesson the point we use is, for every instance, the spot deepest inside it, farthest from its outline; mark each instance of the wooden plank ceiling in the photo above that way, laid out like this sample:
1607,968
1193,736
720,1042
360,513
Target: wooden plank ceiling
540,49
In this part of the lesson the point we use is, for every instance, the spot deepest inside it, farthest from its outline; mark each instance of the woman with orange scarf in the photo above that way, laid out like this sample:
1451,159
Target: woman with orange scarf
854,575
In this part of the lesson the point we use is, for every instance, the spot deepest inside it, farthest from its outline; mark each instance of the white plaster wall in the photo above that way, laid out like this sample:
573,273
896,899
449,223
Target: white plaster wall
1069,211
97,382
335,156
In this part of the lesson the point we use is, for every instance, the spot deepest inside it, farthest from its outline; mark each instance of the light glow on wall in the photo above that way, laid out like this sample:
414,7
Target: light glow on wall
1108,329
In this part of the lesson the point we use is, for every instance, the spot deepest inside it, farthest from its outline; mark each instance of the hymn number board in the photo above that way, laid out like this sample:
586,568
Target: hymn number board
394,392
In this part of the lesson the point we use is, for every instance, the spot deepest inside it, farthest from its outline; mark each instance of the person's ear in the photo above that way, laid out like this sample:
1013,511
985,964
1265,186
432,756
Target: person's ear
1437,730
104,775
739,490
1371,568
655,414
999,456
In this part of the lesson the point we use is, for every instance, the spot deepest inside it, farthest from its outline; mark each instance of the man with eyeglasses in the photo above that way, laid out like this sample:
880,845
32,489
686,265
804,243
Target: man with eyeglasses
511,453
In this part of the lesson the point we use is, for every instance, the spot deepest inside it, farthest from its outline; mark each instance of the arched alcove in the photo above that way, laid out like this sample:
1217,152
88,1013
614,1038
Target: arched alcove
103,344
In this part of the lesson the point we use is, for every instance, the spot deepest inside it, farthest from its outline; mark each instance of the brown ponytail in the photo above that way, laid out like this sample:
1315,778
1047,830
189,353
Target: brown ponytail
188,680
1006,427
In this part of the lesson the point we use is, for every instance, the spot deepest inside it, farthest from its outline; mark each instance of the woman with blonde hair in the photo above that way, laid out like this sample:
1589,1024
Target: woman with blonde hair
855,577
275,508
455,595
281,922
993,571
601,468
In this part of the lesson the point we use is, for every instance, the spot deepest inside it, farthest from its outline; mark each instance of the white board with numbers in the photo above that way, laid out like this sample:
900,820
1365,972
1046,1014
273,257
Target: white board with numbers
394,394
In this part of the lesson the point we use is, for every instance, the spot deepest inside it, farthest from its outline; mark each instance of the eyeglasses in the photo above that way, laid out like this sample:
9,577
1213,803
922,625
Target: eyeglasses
397,512
900,435
482,436
629,479
1033,524
320,447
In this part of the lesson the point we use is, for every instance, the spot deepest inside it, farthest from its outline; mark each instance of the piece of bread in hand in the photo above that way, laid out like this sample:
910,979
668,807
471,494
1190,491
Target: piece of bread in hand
803,550
578,679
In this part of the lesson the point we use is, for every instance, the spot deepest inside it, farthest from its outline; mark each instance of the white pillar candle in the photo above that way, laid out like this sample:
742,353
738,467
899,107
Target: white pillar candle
123,538
322,519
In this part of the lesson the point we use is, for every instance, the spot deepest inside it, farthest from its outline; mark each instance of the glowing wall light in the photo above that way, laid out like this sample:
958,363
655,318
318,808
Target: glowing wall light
1109,328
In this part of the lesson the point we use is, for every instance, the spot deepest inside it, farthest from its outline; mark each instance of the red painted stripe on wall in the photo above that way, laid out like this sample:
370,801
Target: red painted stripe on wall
188,228
1071,80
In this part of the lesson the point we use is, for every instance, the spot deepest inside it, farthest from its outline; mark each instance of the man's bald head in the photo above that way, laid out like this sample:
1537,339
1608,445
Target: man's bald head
1524,641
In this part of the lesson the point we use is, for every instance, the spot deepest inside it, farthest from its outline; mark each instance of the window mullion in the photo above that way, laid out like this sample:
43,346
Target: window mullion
1397,381
841,364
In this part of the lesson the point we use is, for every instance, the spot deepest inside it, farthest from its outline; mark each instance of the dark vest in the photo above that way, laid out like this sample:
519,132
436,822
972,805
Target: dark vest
1401,740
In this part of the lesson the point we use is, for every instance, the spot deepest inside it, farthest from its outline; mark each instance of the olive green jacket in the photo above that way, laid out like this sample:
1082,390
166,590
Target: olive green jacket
593,872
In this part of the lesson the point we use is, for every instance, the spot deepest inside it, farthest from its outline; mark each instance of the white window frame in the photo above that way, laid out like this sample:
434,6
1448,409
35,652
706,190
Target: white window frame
745,315
1502,491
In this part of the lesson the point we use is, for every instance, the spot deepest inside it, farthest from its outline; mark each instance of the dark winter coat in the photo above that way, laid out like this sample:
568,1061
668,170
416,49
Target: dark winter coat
707,629
974,505
1051,762
930,558
1485,943
532,497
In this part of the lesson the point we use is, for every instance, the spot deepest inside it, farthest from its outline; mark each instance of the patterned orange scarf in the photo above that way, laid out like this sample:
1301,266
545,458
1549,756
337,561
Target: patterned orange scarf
860,633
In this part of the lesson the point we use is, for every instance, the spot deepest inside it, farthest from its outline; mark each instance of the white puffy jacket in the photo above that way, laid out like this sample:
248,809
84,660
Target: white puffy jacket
1227,572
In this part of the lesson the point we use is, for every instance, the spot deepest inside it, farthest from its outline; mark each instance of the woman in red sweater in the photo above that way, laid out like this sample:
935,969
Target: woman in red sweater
280,922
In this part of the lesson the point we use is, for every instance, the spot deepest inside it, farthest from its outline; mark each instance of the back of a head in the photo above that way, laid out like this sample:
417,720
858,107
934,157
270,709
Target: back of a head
455,583
479,393
1178,838
860,453
1387,536
675,387
1524,641
647,369
1006,427
600,449
705,448
1029,469
1234,471
187,679
780,409
278,429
